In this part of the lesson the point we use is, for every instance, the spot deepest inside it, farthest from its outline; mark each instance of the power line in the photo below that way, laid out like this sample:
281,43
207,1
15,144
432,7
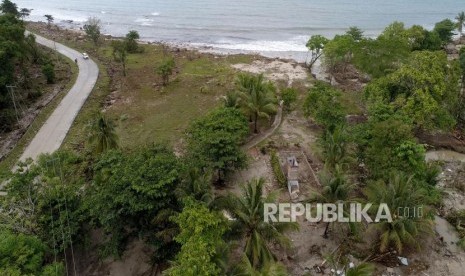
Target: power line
53,235
53,230
67,216
59,172
10,89
16,101
61,222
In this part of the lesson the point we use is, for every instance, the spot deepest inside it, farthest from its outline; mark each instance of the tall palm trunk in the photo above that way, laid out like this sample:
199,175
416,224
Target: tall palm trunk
325,234
256,123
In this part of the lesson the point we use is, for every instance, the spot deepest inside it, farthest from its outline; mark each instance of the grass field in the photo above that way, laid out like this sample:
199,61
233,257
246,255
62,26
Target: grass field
148,112
144,111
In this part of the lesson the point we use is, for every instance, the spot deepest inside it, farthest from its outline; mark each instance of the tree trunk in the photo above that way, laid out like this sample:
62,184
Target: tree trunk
313,61
220,180
325,234
256,123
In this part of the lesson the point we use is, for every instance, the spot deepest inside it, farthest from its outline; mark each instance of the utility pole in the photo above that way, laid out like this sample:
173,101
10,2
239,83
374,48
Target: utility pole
11,89
56,52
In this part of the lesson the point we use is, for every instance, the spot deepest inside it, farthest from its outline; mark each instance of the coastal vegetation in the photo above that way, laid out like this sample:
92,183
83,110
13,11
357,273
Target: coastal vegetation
460,22
92,29
165,69
315,45
214,141
412,87
31,78
102,136
257,97
247,211
19,57
49,19
151,156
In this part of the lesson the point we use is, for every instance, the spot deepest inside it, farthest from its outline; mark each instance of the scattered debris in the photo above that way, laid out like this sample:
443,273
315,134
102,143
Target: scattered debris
292,170
403,261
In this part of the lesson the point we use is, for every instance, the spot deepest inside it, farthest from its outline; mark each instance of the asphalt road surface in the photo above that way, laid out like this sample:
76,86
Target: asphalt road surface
53,132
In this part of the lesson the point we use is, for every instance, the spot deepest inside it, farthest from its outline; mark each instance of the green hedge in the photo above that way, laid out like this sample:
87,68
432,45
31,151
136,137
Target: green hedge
278,172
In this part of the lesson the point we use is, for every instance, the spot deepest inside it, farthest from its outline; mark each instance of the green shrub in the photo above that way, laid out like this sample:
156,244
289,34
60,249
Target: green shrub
49,72
165,69
457,219
289,97
22,254
278,172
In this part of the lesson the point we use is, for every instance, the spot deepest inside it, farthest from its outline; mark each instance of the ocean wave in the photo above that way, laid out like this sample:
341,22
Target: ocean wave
296,44
58,15
155,13
144,21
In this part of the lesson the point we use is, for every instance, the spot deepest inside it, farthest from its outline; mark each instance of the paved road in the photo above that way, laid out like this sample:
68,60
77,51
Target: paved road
53,132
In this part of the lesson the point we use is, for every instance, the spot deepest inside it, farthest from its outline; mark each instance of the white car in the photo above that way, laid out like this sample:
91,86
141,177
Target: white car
85,56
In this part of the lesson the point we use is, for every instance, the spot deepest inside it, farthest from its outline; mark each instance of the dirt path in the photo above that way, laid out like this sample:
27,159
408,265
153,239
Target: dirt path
50,136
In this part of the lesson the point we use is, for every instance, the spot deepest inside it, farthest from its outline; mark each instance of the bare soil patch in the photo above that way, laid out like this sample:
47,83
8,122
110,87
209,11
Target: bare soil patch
276,70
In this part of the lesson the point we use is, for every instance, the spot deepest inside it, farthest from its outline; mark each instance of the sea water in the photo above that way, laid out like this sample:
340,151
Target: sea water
275,27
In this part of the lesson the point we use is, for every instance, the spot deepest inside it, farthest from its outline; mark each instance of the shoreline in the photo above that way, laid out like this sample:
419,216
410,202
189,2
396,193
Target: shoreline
293,57
202,47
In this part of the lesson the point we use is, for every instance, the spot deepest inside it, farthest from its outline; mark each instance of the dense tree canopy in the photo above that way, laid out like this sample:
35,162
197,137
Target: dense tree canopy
445,30
19,58
41,215
132,189
214,140
12,50
424,89
8,7
383,144
380,56
315,45
355,32
201,237
24,255
323,104
338,51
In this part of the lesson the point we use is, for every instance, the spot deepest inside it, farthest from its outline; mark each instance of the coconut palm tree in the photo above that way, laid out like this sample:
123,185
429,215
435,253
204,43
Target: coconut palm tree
248,222
342,263
231,100
460,22
258,98
245,268
334,144
401,191
336,189
196,184
102,134
363,269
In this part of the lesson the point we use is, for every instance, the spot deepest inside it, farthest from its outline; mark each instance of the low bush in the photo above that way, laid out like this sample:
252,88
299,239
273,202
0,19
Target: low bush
277,170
